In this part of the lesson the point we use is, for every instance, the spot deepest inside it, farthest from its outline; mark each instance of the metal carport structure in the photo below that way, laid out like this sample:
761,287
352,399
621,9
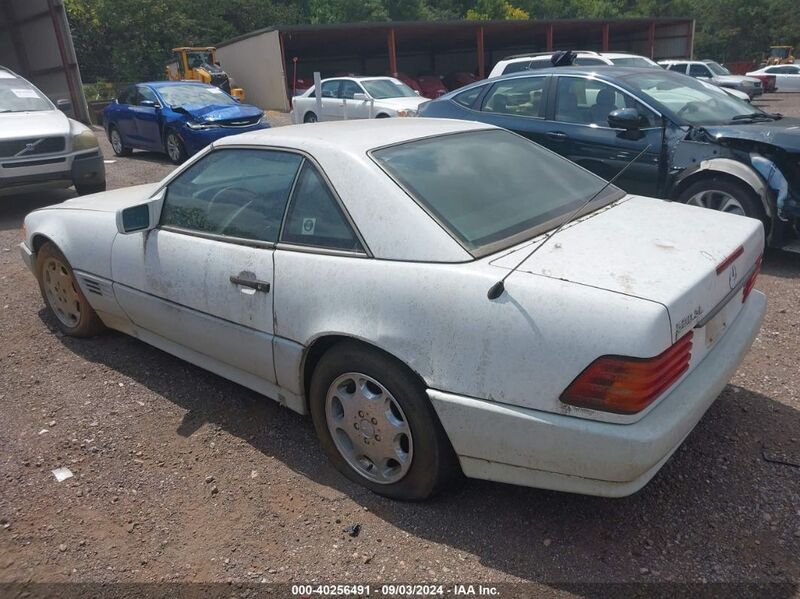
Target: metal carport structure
35,41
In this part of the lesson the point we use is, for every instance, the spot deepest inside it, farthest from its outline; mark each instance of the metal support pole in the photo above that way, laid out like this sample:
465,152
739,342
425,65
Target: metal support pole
392,52
481,54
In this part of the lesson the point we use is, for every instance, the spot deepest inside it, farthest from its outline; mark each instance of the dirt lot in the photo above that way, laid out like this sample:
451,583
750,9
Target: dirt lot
183,476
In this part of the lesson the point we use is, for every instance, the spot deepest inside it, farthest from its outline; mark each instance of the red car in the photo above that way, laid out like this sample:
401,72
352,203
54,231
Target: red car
458,79
768,82
431,86
409,81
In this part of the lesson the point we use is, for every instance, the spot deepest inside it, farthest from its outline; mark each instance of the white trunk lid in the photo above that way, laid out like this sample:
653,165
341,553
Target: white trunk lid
655,250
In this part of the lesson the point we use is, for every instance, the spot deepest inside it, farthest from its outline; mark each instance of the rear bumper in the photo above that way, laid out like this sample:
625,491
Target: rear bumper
560,452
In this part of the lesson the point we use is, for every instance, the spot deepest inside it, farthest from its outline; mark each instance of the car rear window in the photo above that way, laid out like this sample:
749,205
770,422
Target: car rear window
490,188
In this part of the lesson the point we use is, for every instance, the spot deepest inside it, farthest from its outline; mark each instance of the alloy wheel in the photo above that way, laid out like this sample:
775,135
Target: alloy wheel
173,147
717,200
62,293
116,141
369,428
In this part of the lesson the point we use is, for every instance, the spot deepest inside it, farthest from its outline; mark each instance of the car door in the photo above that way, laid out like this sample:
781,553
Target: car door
352,109
202,280
787,77
332,103
124,117
147,115
578,129
518,105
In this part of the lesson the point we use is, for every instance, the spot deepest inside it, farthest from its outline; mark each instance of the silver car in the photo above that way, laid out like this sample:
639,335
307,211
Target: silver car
715,73
40,147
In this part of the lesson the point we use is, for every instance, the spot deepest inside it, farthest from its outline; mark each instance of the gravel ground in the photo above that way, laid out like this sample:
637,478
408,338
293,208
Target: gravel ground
183,476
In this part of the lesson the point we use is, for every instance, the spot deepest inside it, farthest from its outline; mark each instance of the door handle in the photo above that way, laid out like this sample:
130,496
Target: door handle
252,283
557,135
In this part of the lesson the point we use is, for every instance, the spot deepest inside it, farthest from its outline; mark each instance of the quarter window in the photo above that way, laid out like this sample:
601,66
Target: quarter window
314,217
679,67
521,97
516,67
234,193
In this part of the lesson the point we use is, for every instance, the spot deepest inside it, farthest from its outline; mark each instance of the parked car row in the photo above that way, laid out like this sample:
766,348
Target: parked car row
704,147
428,86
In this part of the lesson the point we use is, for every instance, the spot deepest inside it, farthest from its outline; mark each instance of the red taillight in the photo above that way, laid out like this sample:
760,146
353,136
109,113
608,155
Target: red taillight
730,259
625,385
751,280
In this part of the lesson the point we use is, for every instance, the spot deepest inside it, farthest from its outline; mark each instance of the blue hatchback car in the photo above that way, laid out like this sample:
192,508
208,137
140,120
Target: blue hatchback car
179,118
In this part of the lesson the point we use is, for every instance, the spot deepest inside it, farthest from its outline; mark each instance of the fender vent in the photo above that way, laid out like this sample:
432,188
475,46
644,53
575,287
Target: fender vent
92,286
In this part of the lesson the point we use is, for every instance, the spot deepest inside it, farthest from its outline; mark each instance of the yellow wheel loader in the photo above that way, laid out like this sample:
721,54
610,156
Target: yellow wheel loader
200,64
780,55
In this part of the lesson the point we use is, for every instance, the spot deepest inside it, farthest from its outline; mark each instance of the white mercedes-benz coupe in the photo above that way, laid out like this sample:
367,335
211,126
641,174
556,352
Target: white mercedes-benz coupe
349,270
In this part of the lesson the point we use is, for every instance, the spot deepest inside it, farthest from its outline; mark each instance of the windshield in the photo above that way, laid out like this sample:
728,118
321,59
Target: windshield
697,102
490,187
17,95
717,68
185,95
197,59
633,61
779,52
380,89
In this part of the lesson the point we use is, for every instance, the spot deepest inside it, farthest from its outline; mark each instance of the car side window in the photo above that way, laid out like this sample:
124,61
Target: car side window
522,97
699,70
586,101
145,93
468,97
680,67
349,89
233,192
314,217
330,89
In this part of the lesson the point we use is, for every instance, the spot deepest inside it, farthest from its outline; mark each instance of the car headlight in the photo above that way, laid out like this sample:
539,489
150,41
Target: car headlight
407,112
196,126
85,140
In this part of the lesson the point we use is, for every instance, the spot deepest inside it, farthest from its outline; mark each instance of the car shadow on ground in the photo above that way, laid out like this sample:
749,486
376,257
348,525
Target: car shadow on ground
726,503
146,156
781,264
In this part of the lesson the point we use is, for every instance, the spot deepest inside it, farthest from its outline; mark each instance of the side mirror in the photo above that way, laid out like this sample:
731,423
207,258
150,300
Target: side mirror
64,105
625,118
141,217
149,104
360,97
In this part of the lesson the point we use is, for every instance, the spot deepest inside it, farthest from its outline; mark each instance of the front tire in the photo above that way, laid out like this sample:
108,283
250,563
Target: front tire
720,194
376,425
63,296
174,147
310,118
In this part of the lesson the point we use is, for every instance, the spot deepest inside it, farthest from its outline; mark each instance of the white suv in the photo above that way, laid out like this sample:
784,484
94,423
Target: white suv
40,147
541,60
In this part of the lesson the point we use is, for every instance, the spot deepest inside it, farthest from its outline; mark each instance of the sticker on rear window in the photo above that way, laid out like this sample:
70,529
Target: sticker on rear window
309,224
24,93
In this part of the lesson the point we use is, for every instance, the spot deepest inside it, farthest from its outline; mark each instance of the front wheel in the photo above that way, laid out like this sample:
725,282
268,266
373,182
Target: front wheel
723,195
376,424
175,148
310,118
62,295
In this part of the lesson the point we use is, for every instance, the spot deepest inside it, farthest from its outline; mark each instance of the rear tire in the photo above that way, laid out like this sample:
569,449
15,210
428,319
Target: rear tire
89,189
387,435
382,116
63,296
310,118
117,143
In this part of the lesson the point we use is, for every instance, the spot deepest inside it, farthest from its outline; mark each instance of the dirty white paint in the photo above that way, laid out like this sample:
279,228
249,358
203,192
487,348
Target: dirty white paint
615,282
